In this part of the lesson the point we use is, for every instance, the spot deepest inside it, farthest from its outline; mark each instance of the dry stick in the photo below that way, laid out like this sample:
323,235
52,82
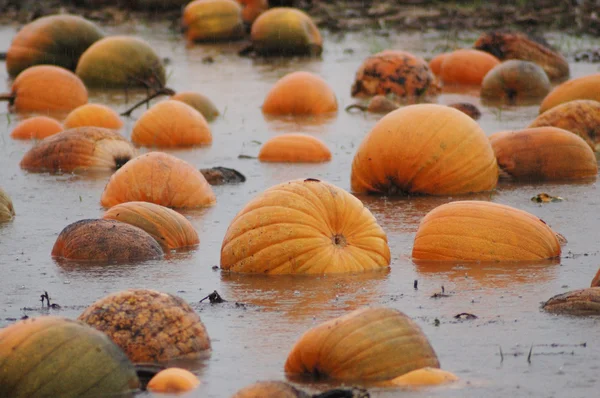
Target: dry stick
10,97
162,91
356,106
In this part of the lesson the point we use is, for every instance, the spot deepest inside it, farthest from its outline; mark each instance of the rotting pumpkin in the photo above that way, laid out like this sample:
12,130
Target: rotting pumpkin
581,302
294,148
300,93
36,128
515,81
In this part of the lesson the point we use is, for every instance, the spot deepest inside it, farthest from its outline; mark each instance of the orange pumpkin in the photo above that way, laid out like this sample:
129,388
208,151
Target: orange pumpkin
424,149
7,211
300,93
294,148
171,124
199,102
514,82
36,128
483,231
340,235
596,280
173,381
94,115
424,377
80,149
583,302
159,178
270,389
252,9
436,63
466,66
586,87
213,20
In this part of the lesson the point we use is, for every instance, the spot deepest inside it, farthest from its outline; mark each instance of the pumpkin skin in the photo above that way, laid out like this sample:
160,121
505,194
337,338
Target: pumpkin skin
436,63
483,231
270,389
582,302
171,124
7,211
581,88
170,229
199,102
424,149
294,148
53,40
515,81
213,20
424,377
50,356
159,178
370,344
93,115
149,326
36,128
300,93
78,150
340,235
252,9
173,380
121,62
466,66
596,280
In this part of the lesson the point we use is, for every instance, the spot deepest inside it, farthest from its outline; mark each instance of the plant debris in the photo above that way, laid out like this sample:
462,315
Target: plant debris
465,315
214,298
546,198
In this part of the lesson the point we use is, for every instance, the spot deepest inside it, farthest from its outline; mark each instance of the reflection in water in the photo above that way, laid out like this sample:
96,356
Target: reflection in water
508,185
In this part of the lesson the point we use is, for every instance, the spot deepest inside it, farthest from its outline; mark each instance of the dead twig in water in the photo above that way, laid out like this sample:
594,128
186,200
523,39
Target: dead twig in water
46,297
158,93
501,354
465,315
214,298
529,356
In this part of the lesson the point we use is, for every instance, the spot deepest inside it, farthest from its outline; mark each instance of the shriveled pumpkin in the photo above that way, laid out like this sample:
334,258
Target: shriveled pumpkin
395,72
213,20
222,175
436,63
285,31
304,227
171,124
173,381
54,40
121,62
596,280
581,88
424,377
36,128
94,115
79,149
483,231
515,81
49,356
199,102
582,302
149,326
294,148
7,211
251,9
270,389
466,66
159,178
170,229
300,93
370,344
424,149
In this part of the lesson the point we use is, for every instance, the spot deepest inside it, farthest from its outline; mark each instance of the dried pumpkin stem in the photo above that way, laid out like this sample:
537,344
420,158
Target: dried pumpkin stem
10,97
356,106
158,93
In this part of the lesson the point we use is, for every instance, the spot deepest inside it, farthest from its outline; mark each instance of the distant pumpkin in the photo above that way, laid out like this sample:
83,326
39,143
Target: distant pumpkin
270,389
252,9
424,377
7,211
199,102
173,381
93,115
300,93
581,88
436,63
36,128
294,148
514,82
583,302
213,20
466,66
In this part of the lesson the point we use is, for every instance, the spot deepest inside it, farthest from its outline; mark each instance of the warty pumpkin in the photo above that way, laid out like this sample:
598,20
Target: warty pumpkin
424,149
149,326
581,88
483,231
466,66
199,102
581,302
36,128
213,20
300,93
93,115
7,211
294,148
50,356
515,81
327,230
173,381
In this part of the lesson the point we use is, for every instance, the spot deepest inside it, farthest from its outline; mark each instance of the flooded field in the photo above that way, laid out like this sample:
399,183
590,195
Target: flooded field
255,329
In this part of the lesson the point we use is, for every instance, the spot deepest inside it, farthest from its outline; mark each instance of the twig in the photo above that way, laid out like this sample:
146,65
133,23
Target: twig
162,91
356,106
529,356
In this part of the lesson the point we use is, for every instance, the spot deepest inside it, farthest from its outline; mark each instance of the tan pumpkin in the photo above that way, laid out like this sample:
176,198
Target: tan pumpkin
173,381
294,148
300,93
515,82
93,115
36,128
159,178
596,280
483,231
582,302
581,88
466,66
213,20
7,211
270,389
149,326
327,231
199,102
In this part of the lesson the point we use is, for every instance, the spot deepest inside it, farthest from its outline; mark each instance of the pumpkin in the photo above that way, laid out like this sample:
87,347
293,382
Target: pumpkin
294,148
483,231
105,241
270,389
159,178
171,124
94,115
327,230
199,102
424,149
222,175
173,380
515,82
121,62
50,356
466,66
436,63
285,31
170,229
395,72
7,211
55,39
424,377
149,326
213,20
79,149
382,104
581,88
513,45
300,93
468,109
252,9
36,128
369,344
596,280
544,154
578,302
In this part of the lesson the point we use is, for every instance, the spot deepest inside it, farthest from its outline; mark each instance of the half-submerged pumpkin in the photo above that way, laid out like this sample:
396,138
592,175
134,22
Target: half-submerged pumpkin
466,66
213,20
149,326
49,356
80,149
7,211
483,231
426,376
270,389
586,87
370,344
36,128
581,302
171,124
515,82
327,230
300,93
170,229
159,178
199,102
425,149
93,115
173,380
294,148
436,63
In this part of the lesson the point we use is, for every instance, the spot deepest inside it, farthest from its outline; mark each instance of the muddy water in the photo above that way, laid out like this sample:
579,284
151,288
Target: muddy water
251,341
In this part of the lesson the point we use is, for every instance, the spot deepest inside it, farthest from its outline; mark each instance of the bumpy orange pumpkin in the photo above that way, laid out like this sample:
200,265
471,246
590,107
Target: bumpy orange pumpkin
436,63
294,148
270,389
483,231
327,231
171,124
80,149
211,20
300,93
199,102
596,280
36,128
173,380
515,81
7,211
159,178
425,149
94,115
466,66
583,302
586,87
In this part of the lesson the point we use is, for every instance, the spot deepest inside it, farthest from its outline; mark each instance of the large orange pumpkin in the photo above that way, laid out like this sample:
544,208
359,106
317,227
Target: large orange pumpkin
294,148
466,66
7,211
36,128
327,230
300,93
483,231
212,20
425,149
515,82
94,115
586,87
199,102
174,381
159,178
583,302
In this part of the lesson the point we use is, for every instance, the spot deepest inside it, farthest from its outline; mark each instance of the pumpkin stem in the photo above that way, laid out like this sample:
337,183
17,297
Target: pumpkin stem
356,106
162,91
339,240
120,161
10,97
